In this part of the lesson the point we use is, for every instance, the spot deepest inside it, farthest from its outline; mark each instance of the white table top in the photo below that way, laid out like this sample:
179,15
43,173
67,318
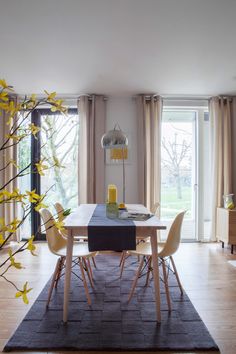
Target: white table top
79,219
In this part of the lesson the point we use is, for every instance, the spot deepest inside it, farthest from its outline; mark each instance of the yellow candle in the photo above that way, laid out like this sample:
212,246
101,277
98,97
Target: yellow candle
112,193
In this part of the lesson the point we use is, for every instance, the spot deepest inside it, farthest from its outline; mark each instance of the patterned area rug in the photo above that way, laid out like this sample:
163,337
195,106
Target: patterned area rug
111,323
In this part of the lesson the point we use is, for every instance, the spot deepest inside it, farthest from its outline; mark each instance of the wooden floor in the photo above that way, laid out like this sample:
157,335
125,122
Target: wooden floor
208,279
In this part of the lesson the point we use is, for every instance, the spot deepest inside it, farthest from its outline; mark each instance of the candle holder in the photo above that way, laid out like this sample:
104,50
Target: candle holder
112,210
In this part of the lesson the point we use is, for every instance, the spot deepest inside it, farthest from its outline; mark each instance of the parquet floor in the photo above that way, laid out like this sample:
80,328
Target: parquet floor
208,279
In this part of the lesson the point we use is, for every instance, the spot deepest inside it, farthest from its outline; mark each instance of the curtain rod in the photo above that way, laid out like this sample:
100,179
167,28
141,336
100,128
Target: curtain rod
64,98
177,98
184,98
91,96
168,98
147,97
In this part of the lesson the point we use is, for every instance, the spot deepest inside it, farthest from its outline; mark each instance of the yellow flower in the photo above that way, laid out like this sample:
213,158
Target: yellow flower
18,197
33,98
39,206
4,194
33,197
34,129
1,239
12,107
24,293
3,83
17,265
15,137
59,225
41,167
13,225
50,96
3,106
58,106
4,96
3,226
13,162
31,247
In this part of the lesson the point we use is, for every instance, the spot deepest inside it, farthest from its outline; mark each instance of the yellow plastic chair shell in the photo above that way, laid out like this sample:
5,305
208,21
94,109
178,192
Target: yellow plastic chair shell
165,253
60,210
55,241
57,245
165,249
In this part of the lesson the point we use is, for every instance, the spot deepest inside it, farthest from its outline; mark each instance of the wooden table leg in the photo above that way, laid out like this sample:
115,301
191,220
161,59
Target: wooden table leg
156,274
69,251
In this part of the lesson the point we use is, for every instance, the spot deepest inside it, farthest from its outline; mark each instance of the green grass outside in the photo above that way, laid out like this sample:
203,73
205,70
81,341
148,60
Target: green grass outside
171,205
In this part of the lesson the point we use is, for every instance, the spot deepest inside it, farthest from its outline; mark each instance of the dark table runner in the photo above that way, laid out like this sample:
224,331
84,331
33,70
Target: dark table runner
106,234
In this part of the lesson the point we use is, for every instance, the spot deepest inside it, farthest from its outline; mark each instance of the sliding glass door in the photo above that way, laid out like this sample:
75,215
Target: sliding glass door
57,147
185,170
178,167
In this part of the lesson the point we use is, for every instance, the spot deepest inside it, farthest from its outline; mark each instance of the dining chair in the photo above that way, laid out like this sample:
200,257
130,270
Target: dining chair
61,217
166,251
57,244
125,254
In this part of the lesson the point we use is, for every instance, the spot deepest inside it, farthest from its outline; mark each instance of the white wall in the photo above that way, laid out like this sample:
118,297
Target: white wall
122,110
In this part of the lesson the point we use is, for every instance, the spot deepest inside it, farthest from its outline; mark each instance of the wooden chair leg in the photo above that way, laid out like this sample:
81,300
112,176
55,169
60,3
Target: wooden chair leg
121,258
62,261
123,263
165,278
53,281
149,265
90,268
94,263
176,275
136,279
84,282
87,270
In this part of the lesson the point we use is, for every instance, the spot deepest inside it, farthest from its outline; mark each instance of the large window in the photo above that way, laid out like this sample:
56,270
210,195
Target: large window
57,146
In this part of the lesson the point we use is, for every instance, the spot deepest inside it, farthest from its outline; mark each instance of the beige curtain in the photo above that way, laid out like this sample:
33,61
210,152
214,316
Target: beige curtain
8,211
92,113
220,111
149,113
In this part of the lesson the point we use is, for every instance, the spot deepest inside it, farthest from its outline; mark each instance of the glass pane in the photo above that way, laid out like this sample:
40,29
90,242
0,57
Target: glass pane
59,134
24,182
178,168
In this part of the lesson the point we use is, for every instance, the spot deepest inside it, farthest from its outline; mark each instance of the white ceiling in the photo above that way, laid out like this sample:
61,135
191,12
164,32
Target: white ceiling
119,47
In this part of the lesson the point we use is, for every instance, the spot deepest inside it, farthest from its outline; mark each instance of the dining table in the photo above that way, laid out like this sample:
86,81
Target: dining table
77,223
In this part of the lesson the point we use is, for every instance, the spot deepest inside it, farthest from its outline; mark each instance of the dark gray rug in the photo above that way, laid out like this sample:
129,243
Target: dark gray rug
111,323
